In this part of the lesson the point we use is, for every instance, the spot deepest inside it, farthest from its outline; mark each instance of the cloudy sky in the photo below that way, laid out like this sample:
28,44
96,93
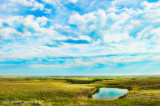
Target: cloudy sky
79,37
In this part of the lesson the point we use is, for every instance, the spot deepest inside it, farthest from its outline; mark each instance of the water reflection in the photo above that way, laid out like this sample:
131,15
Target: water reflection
109,93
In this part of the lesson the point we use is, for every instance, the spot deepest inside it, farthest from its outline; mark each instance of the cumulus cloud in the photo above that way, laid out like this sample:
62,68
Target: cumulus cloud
19,26
73,1
127,25
30,3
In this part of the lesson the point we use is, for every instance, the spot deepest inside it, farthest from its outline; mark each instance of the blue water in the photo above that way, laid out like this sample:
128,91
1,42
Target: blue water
109,93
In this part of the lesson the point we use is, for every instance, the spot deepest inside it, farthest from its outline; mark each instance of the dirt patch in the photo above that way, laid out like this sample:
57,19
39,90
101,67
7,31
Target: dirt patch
83,93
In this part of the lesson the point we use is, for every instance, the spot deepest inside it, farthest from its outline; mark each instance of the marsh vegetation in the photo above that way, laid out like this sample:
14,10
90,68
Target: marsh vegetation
61,90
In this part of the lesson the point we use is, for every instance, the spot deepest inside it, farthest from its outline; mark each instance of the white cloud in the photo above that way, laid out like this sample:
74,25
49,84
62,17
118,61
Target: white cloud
53,2
19,26
92,62
78,20
97,21
52,66
37,6
42,20
8,32
73,1
138,26
30,3
48,11
127,3
148,6
115,37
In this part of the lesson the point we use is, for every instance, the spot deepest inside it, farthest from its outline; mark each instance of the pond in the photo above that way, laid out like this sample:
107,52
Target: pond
109,93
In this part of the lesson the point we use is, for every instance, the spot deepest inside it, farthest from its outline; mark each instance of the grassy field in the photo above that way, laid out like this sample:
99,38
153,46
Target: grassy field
48,91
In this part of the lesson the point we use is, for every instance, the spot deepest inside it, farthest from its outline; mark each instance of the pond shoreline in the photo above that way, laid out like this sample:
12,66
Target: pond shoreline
110,93
96,90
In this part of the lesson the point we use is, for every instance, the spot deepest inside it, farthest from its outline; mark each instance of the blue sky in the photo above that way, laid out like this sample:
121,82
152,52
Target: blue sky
79,37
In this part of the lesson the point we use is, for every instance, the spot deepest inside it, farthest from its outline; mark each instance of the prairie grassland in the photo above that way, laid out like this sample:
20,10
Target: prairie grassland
48,91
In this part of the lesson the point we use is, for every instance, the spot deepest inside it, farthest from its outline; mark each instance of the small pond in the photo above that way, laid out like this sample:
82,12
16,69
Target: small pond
109,93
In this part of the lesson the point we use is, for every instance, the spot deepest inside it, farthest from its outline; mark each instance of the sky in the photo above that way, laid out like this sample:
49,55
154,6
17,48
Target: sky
79,37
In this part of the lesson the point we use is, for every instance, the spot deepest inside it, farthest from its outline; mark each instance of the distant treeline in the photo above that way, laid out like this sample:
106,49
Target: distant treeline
73,81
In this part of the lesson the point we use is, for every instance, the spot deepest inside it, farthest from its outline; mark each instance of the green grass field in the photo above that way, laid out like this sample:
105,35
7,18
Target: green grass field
48,91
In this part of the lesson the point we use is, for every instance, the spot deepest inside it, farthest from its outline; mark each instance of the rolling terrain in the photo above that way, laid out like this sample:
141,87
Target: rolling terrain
61,90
